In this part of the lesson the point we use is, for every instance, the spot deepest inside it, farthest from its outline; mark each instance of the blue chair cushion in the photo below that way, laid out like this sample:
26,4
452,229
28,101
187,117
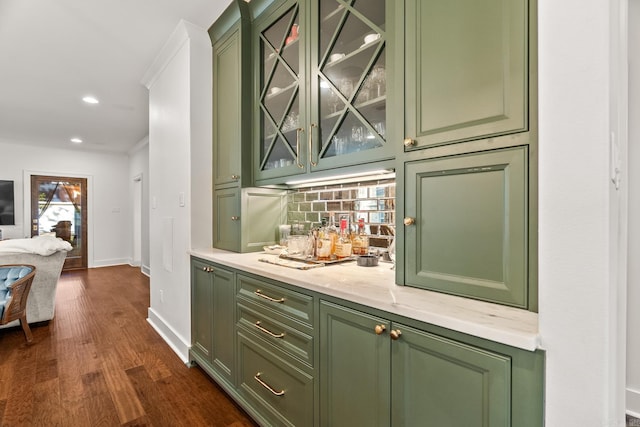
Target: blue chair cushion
8,275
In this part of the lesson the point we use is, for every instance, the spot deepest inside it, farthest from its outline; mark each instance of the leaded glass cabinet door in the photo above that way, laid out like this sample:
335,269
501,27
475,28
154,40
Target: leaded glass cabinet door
281,95
348,93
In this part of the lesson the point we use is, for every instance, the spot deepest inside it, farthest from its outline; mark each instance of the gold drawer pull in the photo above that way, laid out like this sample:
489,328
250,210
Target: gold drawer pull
268,332
267,386
267,297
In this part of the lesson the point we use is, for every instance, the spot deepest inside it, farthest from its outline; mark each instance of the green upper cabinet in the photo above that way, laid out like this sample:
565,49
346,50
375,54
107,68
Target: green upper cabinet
320,87
466,226
231,82
466,70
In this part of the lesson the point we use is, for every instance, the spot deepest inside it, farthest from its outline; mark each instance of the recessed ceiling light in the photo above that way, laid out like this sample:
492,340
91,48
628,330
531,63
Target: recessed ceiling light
90,100
76,140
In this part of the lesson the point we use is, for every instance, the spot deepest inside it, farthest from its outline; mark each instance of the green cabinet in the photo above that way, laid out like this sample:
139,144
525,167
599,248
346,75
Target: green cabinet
290,356
467,226
377,372
246,219
440,382
466,70
231,84
276,341
355,380
320,87
213,319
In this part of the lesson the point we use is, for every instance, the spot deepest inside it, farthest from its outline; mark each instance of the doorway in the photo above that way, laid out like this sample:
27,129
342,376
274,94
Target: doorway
59,205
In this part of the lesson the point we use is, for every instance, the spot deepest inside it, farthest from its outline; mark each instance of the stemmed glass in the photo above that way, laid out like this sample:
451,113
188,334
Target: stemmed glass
379,80
334,101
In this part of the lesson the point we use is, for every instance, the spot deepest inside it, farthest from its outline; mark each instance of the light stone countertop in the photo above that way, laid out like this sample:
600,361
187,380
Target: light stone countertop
374,287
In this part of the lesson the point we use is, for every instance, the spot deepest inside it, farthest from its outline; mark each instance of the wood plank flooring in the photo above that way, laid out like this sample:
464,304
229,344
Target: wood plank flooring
99,363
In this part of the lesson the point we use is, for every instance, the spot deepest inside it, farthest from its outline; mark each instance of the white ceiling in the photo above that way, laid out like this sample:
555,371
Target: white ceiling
54,52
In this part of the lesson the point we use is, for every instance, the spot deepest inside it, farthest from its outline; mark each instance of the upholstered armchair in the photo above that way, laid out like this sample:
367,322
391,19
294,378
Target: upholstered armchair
15,284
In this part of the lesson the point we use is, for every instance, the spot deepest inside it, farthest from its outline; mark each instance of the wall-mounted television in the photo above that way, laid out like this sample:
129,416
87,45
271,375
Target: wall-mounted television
7,203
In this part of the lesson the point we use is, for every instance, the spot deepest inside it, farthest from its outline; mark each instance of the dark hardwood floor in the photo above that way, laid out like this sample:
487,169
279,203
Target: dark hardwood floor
99,363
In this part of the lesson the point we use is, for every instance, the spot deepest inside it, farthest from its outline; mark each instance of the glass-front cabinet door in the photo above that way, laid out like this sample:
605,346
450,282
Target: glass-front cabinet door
281,95
349,96
321,86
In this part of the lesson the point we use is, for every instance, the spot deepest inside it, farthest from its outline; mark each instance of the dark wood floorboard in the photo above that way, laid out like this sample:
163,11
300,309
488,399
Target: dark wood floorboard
99,363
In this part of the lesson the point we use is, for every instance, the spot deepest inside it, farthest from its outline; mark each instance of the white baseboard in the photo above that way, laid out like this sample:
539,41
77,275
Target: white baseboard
633,402
109,262
146,270
177,344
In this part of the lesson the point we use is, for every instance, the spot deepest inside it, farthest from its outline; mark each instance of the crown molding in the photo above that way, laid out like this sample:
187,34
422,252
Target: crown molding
183,33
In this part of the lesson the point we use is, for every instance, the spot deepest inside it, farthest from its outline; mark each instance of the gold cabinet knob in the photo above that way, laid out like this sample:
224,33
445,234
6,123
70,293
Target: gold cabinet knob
409,221
379,329
395,334
235,218
235,177
409,142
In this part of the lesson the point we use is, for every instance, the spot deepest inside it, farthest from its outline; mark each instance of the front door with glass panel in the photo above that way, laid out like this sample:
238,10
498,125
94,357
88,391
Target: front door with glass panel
59,207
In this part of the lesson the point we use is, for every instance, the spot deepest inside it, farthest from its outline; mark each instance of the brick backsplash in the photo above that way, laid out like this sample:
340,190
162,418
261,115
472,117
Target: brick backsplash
375,201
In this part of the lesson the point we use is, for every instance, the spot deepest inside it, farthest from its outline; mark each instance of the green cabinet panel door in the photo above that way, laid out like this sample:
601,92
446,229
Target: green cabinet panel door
466,70
469,234
227,115
231,81
201,309
226,219
355,381
223,317
213,318
246,219
439,382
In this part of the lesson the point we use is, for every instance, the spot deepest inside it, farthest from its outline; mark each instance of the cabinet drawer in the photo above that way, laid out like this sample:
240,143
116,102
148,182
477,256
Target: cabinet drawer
280,389
289,303
280,334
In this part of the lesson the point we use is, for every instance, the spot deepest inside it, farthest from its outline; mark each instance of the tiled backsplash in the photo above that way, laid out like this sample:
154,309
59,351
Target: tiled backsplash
375,201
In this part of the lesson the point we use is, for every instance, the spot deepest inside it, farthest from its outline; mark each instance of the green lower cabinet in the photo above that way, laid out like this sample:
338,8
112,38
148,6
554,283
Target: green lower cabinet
201,309
467,226
355,382
213,319
374,372
439,382
274,385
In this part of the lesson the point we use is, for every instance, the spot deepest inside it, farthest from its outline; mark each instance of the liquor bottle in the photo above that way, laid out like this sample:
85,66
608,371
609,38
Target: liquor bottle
343,245
332,232
360,241
323,243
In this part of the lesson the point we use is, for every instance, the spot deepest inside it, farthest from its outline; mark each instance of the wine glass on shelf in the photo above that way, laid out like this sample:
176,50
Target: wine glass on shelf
379,80
334,101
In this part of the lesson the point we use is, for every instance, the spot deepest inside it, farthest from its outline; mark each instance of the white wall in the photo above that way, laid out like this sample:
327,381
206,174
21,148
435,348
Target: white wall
108,222
139,167
581,215
633,296
179,85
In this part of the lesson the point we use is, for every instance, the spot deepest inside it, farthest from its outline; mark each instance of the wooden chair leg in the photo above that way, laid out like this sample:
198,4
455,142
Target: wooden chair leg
26,329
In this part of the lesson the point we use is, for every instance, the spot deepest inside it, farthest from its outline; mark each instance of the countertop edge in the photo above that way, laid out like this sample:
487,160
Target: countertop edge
505,325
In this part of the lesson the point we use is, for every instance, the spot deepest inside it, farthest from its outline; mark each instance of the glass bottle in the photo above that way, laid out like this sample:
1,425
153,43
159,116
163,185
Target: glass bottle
323,243
332,232
343,245
360,241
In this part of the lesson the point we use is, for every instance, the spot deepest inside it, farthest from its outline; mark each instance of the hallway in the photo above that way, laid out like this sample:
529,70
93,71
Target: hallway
99,363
